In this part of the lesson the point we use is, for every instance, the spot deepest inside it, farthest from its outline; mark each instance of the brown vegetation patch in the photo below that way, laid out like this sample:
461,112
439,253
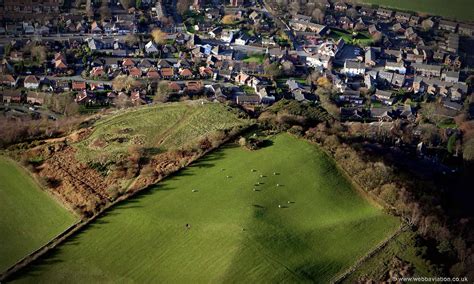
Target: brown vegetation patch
76,184
98,143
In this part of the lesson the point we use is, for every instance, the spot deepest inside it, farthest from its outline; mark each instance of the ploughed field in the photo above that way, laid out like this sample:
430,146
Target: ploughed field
454,9
29,216
279,214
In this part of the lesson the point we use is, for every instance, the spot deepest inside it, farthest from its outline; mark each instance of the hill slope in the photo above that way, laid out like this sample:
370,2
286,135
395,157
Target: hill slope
234,232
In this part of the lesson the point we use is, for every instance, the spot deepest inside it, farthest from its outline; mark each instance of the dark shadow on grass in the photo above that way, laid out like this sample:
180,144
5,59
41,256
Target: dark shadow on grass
266,143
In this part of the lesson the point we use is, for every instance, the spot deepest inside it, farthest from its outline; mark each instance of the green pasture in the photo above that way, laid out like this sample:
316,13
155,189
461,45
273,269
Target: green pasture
454,9
279,214
29,216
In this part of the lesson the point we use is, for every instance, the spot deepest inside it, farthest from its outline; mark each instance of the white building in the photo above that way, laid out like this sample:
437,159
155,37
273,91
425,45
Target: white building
396,67
150,47
227,36
353,68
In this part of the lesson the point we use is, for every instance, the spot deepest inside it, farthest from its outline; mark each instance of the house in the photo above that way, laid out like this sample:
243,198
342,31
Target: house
369,81
85,97
410,34
78,86
175,87
414,21
452,105
215,32
353,68
427,69
370,57
402,17
35,98
60,65
96,86
153,74
381,113
466,29
205,72
236,3
12,96
254,16
398,80
340,6
449,26
383,76
94,44
8,80
227,36
137,98
373,30
454,61
395,66
162,63
242,78
145,64
135,72
128,63
167,73
95,29
451,76
242,39
384,13
351,96
248,99
428,23
365,11
97,71
398,28
318,60
413,57
452,44
150,48
31,82
384,97
352,113
185,73
193,87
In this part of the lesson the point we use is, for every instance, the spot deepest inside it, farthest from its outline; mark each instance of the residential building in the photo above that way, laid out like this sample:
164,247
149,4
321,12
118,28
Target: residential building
353,68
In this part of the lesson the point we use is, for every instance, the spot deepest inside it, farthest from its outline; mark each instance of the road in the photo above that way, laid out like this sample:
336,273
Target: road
281,23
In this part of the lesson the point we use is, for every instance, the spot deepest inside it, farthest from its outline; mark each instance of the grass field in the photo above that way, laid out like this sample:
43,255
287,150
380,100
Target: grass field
403,247
29,217
236,233
258,58
456,9
157,128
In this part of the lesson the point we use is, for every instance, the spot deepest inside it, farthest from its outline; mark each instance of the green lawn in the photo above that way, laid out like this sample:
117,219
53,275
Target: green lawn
456,9
237,234
29,217
360,38
157,128
258,58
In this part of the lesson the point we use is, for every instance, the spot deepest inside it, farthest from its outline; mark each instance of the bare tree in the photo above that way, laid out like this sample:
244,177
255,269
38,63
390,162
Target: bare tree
318,15
105,12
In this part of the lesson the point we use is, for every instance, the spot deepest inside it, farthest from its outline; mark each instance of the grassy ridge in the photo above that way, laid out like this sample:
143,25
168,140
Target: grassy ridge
157,128
29,217
236,234
454,9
